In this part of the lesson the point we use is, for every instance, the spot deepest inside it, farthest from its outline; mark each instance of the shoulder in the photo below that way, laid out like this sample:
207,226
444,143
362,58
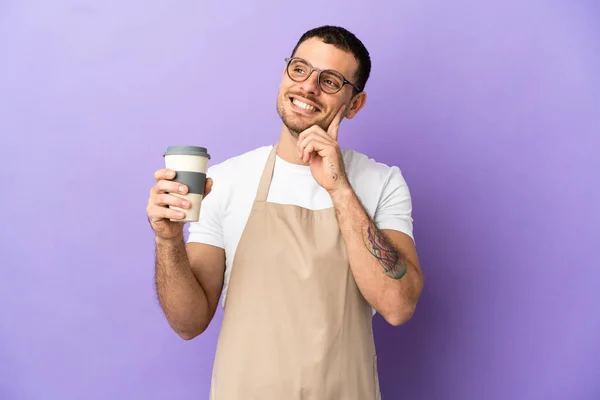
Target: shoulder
241,164
364,171
236,177
383,191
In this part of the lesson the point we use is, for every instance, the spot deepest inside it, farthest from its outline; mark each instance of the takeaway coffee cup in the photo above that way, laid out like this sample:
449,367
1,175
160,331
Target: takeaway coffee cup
190,164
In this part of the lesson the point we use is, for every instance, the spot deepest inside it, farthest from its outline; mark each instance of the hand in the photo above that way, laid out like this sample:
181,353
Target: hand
322,151
159,214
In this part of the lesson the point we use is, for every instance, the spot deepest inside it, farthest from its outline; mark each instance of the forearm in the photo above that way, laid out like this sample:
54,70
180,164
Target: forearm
385,277
180,295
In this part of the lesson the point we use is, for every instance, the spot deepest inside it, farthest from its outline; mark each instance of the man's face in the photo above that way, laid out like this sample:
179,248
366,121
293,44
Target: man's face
303,104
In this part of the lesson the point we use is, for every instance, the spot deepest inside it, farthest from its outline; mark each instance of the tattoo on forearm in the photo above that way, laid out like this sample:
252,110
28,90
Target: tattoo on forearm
392,261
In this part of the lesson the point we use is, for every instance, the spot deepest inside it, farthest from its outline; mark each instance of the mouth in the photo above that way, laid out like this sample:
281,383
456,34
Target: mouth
303,106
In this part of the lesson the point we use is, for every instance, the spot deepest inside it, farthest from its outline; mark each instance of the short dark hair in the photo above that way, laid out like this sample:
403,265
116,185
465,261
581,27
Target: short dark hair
346,41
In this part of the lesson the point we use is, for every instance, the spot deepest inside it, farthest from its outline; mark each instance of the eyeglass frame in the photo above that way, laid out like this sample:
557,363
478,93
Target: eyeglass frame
289,60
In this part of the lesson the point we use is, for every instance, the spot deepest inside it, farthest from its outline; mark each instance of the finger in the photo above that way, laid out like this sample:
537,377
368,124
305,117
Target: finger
335,124
165,199
208,186
302,152
164,173
314,146
315,130
311,136
311,149
156,213
164,186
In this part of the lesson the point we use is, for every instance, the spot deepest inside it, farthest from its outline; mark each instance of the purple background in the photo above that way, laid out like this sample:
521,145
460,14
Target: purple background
491,109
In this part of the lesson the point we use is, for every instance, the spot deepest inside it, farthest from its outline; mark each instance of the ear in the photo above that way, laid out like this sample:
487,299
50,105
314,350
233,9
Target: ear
356,104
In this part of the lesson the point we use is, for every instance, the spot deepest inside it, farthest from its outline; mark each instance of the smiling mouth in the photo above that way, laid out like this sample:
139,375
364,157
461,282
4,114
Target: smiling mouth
303,106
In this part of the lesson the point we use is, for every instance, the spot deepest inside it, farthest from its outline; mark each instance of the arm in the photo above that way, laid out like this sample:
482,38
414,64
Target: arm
384,262
188,280
188,283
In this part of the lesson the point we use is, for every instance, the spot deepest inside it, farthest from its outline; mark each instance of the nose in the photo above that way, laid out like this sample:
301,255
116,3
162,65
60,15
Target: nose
311,84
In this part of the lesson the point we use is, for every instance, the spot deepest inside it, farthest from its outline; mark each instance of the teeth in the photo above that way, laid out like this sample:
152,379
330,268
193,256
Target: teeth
304,105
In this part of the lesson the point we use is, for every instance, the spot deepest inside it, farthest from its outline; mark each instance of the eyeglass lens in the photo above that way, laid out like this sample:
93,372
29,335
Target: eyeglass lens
330,81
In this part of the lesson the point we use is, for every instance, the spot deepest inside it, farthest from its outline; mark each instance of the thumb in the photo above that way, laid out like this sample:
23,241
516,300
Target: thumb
208,186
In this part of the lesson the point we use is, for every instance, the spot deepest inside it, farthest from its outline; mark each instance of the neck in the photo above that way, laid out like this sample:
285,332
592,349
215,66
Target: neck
288,147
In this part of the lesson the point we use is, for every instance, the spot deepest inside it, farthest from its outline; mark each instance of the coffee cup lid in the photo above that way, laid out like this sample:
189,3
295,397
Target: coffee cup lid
187,150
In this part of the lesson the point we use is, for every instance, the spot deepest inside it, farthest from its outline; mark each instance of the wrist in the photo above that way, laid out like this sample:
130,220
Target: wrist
342,192
170,242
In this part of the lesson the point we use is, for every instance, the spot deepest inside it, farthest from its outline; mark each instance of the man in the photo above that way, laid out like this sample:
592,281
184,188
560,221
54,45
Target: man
303,240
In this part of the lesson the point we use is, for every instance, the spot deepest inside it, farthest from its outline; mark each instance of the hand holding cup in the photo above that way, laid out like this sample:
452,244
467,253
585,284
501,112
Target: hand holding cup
177,194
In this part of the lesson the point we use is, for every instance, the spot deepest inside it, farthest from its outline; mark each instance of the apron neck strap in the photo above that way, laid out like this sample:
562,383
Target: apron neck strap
267,175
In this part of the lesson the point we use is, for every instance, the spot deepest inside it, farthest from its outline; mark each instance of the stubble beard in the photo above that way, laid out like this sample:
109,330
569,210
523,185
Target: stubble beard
294,127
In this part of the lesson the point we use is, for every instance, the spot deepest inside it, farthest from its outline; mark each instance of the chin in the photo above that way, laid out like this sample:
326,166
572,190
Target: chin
294,129
294,122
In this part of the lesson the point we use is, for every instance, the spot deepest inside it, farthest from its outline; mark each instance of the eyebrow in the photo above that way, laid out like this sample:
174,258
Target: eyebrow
347,76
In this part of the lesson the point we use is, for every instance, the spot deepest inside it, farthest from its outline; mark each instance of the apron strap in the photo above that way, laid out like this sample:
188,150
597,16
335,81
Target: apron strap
267,175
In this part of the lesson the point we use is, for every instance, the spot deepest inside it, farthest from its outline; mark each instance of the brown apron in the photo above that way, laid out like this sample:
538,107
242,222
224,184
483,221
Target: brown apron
295,325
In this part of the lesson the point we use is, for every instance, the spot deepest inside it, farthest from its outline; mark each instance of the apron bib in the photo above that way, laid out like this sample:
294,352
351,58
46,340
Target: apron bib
295,325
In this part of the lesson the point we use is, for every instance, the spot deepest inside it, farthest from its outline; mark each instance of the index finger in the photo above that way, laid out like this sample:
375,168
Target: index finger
335,124
164,173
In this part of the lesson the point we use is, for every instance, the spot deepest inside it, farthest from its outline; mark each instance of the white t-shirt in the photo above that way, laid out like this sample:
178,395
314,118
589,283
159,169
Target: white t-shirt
381,189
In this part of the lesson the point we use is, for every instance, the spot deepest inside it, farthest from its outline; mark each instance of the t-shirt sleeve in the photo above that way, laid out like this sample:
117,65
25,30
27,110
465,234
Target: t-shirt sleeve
209,228
394,209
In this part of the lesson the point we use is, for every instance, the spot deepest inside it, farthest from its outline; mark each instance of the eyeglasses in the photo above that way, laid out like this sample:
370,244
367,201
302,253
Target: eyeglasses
329,81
